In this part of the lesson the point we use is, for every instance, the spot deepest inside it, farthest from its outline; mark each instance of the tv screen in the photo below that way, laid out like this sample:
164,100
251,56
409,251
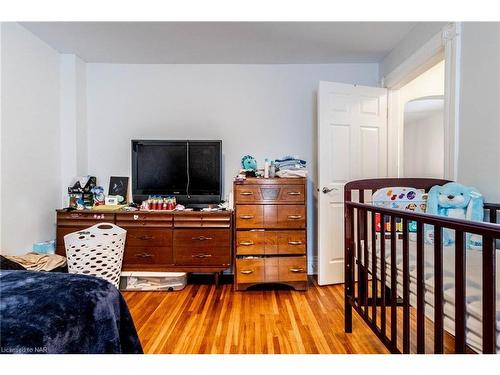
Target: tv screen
190,170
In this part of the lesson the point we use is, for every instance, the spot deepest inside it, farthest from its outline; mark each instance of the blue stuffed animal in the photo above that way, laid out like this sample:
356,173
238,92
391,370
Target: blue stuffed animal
456,201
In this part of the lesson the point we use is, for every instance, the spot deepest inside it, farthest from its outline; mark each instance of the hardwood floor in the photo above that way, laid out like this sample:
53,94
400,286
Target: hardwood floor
205,319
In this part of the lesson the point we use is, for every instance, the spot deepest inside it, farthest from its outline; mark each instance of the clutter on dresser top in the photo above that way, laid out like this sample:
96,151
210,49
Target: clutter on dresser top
286,167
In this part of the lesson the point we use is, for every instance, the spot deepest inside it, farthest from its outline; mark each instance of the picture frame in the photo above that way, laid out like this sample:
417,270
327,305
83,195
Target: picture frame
118,186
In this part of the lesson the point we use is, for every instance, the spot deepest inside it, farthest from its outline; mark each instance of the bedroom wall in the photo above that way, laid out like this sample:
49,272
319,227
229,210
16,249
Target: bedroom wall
30,155
411,42
479,153
262,110
73,121
423,146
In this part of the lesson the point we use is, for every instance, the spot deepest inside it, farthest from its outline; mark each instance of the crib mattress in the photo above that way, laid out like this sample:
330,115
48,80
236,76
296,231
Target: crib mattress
473,286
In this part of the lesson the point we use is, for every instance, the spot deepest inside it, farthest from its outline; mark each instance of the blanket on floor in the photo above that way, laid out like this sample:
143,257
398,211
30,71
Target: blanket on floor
44,312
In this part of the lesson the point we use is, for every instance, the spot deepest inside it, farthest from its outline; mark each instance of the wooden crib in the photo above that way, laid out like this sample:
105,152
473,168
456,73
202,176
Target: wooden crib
380,291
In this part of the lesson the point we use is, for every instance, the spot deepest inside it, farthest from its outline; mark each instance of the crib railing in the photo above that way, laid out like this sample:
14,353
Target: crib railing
369,302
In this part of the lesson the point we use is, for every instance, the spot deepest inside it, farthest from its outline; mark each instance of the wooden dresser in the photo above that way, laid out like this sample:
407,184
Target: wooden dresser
271,232
189,241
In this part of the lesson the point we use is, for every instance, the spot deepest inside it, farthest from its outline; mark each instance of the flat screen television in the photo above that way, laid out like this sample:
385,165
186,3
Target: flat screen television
190,170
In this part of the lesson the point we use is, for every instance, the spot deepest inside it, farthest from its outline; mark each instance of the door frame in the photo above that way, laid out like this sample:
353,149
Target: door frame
443,46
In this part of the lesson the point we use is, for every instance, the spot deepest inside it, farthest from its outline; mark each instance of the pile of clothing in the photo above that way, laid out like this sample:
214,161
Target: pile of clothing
290,166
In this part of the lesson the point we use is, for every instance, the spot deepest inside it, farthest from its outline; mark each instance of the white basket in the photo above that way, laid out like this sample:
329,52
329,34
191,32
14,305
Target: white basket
96,251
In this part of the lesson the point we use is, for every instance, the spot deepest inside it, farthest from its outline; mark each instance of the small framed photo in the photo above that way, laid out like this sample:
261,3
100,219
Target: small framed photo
118,186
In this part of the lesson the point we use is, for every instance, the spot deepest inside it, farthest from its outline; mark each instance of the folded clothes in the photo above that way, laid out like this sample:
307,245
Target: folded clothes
290,162
292,173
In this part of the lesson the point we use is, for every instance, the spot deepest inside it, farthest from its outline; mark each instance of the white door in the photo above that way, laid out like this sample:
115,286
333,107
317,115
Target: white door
352,144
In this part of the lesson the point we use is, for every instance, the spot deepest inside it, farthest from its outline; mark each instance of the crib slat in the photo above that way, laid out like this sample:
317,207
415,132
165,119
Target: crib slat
394,287
406,290
489,296
366,261
374,269
382,275
438,290
460,277
420,290
349,264
493,215
359,255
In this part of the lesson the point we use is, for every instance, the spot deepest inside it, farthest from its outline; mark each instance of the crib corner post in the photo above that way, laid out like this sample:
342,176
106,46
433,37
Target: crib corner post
348,264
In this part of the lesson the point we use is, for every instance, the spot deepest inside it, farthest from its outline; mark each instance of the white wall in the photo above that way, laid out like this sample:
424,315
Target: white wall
73,121
262,110
411,42
30,155
479,152
423,146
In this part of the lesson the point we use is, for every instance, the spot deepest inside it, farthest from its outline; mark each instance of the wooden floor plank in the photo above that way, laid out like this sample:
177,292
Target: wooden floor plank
205,319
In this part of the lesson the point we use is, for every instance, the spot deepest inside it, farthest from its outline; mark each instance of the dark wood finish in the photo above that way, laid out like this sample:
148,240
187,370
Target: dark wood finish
460,302
186,241
440,339
406,289
489,296
438,290
270,232
394,289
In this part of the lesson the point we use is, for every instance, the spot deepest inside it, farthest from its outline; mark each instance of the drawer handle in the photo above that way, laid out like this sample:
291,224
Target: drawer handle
145,238
201,238
247,272
246,217
294,193
295,243
201,256
294,217
247,243
143,255
246,193
296,270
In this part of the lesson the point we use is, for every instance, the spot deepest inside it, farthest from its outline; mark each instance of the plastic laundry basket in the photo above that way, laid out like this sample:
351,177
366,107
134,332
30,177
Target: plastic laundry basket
96,251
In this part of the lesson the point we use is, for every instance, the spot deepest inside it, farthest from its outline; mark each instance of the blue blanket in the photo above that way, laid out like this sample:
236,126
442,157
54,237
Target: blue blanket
43,312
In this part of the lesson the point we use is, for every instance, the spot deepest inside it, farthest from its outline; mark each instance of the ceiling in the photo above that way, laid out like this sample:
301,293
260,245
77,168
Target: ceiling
223,42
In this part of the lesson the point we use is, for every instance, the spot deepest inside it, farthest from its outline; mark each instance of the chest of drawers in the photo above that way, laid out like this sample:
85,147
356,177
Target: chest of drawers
162,241
270,232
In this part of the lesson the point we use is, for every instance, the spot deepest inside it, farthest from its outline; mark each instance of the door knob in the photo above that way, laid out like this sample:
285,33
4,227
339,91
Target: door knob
327,190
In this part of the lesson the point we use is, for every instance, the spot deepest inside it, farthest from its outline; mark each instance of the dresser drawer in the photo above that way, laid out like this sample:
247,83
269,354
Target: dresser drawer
249,216
291,242
291,216
142,219
148,236
250,270
145,255
208,256
269,194
201,239
292,268
83,219
251,242
260,242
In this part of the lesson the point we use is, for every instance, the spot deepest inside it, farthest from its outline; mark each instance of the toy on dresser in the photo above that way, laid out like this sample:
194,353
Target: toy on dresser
457,201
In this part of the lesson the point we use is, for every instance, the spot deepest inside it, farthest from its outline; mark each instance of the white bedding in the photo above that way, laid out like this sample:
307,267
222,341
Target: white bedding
473,286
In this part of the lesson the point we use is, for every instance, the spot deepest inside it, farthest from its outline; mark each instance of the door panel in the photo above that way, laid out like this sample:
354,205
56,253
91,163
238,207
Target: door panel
352,144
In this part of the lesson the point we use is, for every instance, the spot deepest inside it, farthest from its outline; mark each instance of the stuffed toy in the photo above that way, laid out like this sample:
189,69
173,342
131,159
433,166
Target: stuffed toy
456,201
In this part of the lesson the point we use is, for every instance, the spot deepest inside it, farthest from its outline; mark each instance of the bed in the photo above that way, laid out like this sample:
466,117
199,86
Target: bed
443,284
42,312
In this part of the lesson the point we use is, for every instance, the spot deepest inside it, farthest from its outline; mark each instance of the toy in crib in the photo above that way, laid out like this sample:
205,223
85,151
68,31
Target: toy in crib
399,198
456,201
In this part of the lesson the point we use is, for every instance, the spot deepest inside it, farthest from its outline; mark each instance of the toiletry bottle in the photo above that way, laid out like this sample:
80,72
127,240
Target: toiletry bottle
266,168
272,170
